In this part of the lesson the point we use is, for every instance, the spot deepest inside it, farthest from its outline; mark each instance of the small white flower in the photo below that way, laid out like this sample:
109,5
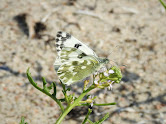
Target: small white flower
111,71
106,74
110,87
108,81
96,82
91,97
91,104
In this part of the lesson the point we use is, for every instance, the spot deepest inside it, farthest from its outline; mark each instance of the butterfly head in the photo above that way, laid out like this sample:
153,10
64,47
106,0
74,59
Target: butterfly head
104,60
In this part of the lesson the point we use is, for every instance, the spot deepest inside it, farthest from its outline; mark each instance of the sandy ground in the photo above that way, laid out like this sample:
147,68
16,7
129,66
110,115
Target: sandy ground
133,31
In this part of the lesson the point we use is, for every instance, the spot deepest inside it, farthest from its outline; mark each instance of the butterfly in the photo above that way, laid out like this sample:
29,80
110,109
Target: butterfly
75,60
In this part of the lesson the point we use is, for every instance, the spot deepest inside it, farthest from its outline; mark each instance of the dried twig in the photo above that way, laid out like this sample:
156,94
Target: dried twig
130,10
84,12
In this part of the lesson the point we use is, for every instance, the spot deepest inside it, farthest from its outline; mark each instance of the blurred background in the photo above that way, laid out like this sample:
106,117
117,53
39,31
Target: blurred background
130,32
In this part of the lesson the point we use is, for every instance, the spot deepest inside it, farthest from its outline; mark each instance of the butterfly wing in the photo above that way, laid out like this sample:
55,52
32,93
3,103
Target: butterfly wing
75,60
76,65
64,39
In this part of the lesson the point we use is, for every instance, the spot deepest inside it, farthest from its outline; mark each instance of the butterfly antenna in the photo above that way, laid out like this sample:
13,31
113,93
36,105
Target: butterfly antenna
112,62
112,50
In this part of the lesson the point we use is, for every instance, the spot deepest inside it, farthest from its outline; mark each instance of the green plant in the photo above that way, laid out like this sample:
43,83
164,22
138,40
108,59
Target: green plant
102,79
22,121
163,4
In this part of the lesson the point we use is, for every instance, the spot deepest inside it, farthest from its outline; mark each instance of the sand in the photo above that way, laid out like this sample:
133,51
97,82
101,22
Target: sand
129,32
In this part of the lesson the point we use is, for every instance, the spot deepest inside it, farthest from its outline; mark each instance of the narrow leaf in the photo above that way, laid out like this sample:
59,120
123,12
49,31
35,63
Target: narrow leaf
89,111
44,82
22,121
103,119
54,85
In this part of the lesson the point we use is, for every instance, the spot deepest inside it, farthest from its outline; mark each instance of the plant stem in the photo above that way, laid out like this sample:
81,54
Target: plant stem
89,111
69,108
64,93
94,104
104,104
90,121
103,119
42,90
164,5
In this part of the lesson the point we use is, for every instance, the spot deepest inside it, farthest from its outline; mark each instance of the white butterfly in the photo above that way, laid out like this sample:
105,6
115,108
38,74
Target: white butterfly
75,60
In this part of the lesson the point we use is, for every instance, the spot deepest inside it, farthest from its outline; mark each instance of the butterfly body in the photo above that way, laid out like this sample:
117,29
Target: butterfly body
75,60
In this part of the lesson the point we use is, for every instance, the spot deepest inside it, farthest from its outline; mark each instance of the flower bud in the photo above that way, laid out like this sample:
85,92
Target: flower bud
111,71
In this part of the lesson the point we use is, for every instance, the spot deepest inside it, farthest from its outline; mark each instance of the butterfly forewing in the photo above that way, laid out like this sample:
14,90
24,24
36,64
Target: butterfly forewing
74,71
64,39
67,54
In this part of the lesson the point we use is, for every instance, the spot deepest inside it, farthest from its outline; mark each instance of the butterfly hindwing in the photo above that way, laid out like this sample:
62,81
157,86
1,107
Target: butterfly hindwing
75,71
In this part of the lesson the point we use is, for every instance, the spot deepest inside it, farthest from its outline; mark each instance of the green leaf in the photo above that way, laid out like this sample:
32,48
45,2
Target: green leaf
62,100
44,81
50,87
103,119
30,78
22,121
105,104
70,98
46,88
32,81
68,89
90,122
54,85
86,118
